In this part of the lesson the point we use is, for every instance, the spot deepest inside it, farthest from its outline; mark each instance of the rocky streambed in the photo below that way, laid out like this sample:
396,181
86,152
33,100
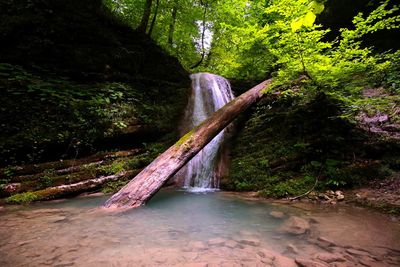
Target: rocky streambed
184,229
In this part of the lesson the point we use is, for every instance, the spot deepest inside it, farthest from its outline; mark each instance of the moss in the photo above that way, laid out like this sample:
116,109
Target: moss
113,186
184,138
115,167
22,198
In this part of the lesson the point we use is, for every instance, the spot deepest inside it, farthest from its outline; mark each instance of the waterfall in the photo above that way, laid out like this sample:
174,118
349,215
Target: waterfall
209,93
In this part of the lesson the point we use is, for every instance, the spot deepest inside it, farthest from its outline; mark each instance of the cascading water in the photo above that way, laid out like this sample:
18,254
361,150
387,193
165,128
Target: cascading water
209,93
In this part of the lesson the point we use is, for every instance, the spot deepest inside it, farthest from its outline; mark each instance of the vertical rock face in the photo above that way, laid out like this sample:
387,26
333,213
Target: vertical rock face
209,93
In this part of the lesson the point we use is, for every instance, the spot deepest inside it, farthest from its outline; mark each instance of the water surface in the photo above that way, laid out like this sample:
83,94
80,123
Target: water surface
179,228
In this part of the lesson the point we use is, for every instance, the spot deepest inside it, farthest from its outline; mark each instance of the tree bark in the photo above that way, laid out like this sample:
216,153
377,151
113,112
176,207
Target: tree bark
203,50
146,16
172,24
153,21
155,175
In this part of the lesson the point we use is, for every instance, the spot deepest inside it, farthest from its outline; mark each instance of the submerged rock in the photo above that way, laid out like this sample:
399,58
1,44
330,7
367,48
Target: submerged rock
330,257
195,246
292,249
217,241
231,244
277,214
295,225
282,261
250,241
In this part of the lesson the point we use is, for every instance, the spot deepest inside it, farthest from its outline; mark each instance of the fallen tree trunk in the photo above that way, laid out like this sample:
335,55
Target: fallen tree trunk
155,175
61,166
73,189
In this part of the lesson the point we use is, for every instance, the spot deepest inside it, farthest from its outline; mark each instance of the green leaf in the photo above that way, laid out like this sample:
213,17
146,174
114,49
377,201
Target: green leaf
316,7
296,24
309,19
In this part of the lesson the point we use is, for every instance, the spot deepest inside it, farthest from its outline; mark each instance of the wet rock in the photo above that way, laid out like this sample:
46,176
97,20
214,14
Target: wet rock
265,253
282,261
327,241
309,263
277,214
255,242
330,257
324,197
216,241
357,252
367,261
292,249
340,197
12,188
56,218
295,225
231,244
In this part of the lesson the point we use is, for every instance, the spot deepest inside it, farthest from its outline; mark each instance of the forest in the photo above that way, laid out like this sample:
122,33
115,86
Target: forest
260,119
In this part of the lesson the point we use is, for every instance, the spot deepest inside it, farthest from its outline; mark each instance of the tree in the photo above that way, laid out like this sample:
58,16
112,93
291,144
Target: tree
145,17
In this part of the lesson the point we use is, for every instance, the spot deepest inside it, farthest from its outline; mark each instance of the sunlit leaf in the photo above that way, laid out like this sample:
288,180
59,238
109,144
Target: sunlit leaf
296,24
309,19
316,7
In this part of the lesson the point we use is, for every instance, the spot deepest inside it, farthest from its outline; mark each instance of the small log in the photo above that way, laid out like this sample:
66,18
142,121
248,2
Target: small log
33,171
155,175
80,187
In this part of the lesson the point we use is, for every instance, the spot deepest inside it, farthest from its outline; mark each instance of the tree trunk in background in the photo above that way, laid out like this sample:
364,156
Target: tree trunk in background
155,175
172,24
153,21
203,32
146,16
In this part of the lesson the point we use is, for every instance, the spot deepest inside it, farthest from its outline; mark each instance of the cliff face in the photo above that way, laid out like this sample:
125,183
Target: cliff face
74,79
80,38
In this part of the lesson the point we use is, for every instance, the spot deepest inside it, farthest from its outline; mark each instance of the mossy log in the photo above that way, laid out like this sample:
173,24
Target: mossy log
71,189
34,171
155,175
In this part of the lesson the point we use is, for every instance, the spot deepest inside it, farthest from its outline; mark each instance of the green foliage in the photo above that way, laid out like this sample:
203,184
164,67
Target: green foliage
57,110
115,167
113,186
291,187
22,198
